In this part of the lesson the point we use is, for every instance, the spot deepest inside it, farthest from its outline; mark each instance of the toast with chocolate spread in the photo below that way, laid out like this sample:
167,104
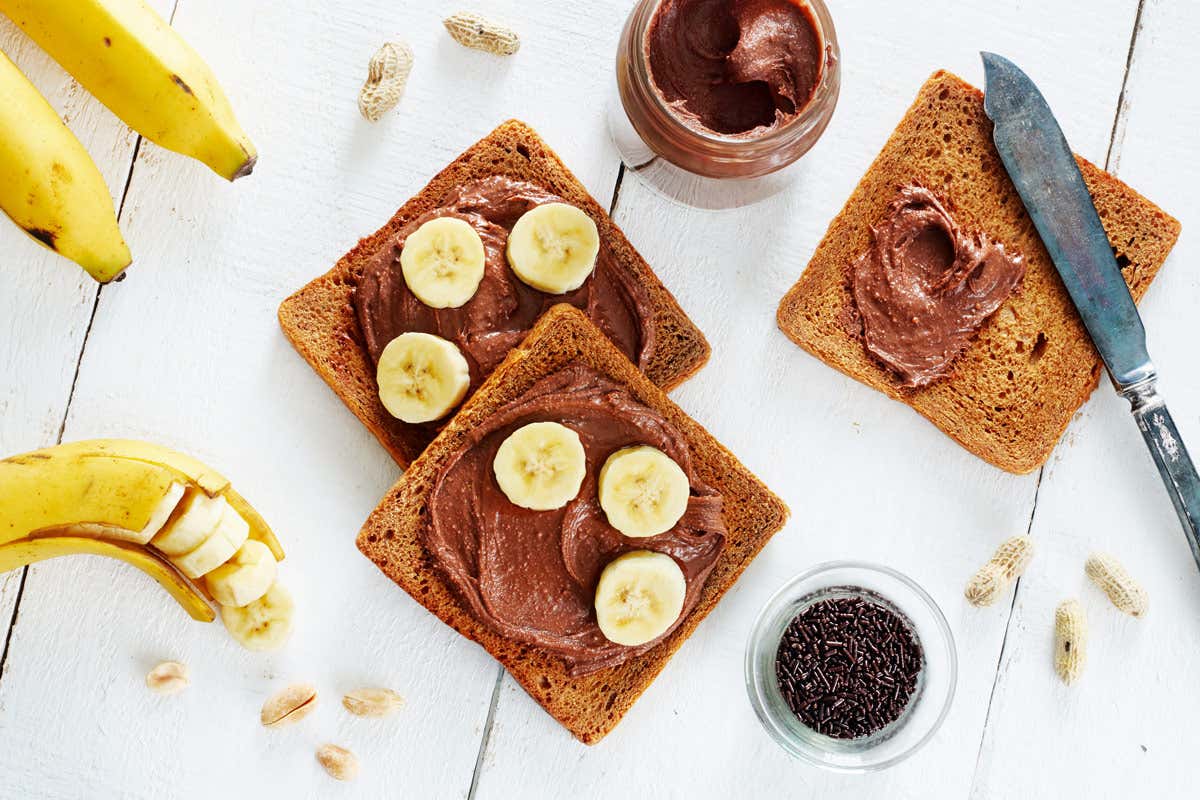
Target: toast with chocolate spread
340,321
583,680
1008,389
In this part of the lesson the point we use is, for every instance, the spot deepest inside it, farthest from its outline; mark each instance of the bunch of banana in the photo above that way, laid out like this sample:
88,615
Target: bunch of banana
166,513
132,61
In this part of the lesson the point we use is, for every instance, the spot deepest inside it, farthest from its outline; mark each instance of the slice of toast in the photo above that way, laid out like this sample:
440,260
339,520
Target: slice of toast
1011,395
589,705
320,321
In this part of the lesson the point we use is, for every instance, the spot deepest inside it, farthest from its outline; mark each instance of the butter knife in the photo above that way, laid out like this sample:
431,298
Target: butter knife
1039,162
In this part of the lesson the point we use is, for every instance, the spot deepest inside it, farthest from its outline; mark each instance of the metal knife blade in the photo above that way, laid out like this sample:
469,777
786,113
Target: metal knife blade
1044,171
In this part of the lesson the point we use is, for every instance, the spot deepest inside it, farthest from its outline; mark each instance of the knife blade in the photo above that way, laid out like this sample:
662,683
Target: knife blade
1044,171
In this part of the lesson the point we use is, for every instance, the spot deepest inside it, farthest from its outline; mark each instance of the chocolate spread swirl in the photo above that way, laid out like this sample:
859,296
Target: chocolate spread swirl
741,67
502,311
531,575
925,287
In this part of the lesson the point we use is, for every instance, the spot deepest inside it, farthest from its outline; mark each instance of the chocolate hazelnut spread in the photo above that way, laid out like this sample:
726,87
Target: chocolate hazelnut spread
503,309
926,286
735,67
531,575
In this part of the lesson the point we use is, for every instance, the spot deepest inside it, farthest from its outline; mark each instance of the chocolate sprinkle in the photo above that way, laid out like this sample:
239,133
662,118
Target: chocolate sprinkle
847,666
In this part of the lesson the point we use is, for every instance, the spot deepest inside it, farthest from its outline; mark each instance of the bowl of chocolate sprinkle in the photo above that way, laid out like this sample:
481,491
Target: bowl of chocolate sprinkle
851,666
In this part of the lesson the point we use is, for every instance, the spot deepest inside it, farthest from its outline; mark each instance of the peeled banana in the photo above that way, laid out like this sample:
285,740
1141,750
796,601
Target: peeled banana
421,377
639,596
442,262
540,466
553,247
168,514
642,491
126,55
50,186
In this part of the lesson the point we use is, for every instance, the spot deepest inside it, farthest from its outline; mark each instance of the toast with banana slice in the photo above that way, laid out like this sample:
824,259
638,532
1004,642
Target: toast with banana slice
320,320
1008,397
589,703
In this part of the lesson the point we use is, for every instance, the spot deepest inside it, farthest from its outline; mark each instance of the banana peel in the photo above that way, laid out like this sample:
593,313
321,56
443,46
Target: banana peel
97,497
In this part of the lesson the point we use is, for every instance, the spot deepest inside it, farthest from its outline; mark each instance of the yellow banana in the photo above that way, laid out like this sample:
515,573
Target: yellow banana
126,55
50,186
110,497
29,551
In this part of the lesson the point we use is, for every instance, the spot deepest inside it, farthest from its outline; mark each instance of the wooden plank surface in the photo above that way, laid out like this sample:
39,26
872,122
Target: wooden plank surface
187,352
1125,730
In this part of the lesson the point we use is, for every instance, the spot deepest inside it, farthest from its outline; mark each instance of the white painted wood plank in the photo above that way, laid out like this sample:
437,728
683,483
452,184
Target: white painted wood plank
865,477
187,351
1127,729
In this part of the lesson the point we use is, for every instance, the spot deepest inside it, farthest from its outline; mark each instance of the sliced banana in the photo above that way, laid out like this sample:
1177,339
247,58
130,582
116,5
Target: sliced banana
642,491
197,517
442,262
540,466
421,377
264,624
553,247
639,597
158,517
244,578
225,540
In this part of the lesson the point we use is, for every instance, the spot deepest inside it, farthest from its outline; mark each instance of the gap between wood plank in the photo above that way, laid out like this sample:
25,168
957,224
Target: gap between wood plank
137,146
1115,139
491,714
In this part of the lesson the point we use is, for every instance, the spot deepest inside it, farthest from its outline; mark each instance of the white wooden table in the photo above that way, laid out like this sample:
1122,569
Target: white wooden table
187,352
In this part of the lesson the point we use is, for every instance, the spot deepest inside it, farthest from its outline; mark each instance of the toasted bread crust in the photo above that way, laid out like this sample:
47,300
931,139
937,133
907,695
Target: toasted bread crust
320,322
1011,395
589,705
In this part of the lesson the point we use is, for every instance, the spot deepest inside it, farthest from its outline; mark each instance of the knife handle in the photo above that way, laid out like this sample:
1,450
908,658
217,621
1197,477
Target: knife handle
1170,456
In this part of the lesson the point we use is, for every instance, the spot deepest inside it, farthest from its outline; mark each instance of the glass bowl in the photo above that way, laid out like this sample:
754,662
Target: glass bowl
926,708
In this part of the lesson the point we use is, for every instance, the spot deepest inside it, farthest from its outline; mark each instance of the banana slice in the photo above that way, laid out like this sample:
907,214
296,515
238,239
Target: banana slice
244,578
442,262
553,247
197,517
540,466
642,491
639,597
225,540
421,377
264,624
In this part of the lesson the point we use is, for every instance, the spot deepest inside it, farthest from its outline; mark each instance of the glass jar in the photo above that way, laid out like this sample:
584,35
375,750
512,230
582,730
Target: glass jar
645,127
929,703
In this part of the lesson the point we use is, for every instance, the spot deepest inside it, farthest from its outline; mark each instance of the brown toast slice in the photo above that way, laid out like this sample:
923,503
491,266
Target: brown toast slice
1011,395
320,321
589,705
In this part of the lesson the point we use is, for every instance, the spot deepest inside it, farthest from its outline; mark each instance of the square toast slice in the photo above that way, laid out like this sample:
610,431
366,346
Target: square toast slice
1011,395
589,706
320,321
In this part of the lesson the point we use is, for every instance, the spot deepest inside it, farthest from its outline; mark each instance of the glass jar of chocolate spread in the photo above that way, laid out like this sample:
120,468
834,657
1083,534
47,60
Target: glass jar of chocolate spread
724,89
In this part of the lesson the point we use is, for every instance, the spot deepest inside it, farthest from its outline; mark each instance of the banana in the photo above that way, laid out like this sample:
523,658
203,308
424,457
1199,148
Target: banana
245,577
110,497
132,61
639,597
194,521
264,624
50,186
442,262
540,466
18,553
553,247
218,547
642,491
421,377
